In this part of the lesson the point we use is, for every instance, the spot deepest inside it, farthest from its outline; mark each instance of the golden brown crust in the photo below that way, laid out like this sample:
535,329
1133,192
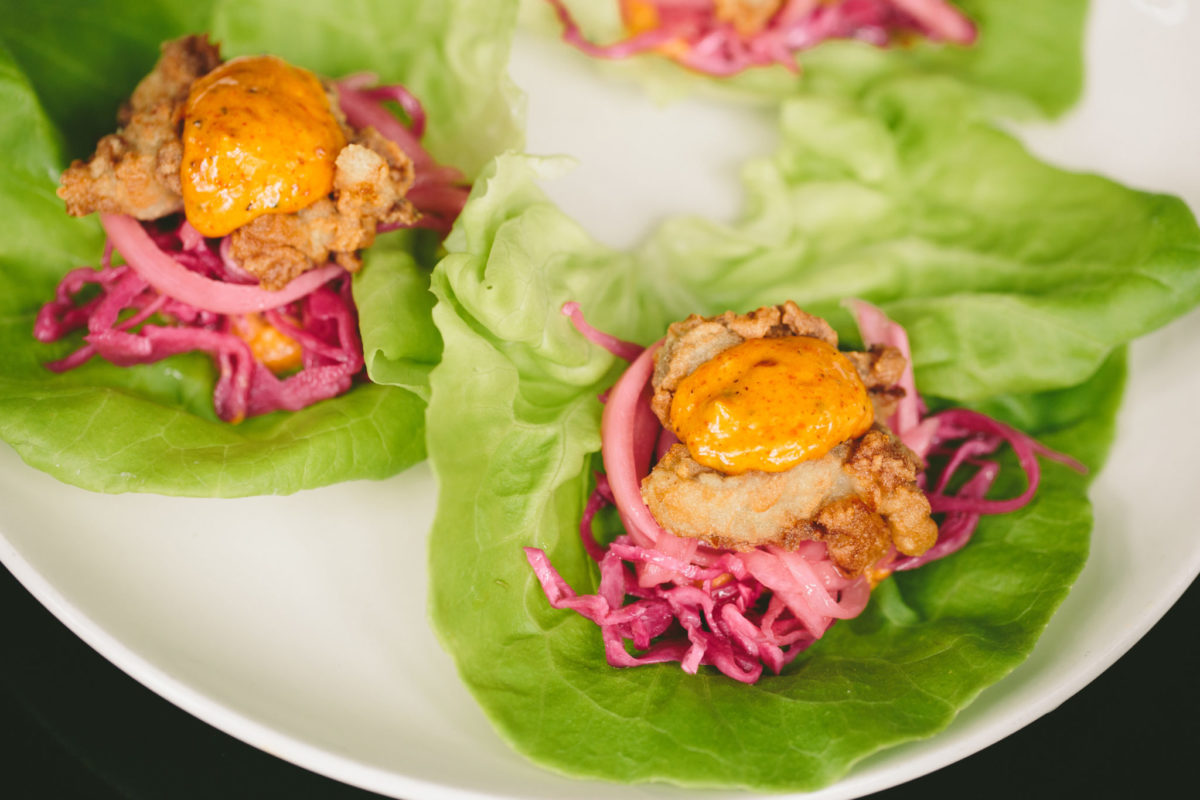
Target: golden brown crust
126,174
885,471
881,366
400,167
182,61
880,369
856,536
369,189
135,171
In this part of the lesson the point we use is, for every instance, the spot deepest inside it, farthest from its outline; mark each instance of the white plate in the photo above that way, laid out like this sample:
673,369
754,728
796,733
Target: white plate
297,624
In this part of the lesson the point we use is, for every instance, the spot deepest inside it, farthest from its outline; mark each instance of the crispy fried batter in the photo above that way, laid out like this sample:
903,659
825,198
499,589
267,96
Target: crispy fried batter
182,62
856,536
861,498
880,369
885,475
369,186
136,171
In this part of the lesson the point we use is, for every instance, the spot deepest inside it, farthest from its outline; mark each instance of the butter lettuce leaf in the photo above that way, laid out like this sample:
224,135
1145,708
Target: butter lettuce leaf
1019,284
64,69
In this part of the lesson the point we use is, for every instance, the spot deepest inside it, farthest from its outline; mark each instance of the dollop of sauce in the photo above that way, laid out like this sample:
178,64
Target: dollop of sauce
769,404
259,138
639,16
271,347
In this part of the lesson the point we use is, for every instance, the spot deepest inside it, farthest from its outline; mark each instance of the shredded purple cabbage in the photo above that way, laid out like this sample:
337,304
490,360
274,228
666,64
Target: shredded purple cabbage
129,322
725,37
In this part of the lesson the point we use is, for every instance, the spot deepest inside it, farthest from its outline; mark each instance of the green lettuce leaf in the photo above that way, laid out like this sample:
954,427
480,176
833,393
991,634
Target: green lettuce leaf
64,69
907,197
1027,59
1019,284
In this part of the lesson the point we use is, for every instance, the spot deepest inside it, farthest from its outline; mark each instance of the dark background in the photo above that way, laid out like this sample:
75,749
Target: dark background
74,726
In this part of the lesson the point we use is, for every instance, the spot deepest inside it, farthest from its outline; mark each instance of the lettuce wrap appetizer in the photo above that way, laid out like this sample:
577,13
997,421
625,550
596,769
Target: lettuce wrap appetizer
267,283
767,481
1018,284
1023,56
725,37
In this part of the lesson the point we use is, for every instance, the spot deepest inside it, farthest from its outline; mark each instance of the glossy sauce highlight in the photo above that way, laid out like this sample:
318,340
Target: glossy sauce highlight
259,137
769,404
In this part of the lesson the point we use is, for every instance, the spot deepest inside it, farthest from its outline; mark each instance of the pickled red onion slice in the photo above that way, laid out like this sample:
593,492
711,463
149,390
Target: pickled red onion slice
174,280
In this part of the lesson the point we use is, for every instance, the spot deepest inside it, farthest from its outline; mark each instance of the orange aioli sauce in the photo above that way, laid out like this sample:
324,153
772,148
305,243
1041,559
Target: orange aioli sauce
273,348
258,138
768,404
639,16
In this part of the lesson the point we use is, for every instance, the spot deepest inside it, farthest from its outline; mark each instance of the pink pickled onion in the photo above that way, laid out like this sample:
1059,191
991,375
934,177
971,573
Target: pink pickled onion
326,331
621,349
407,101
363,110
877,329
171,278
621,459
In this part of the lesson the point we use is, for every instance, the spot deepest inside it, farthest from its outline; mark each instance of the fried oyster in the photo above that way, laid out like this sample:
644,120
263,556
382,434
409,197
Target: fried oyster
137,171
860,496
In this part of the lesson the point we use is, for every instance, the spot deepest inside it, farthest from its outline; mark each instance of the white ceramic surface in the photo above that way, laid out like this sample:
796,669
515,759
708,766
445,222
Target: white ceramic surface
298,623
